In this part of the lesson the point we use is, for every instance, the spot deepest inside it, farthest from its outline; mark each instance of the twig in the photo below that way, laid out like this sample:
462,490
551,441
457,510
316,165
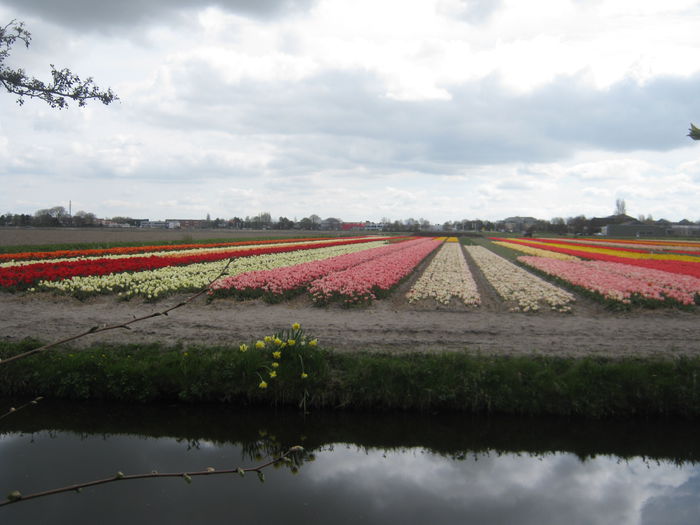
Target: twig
12,410
98,329
16,496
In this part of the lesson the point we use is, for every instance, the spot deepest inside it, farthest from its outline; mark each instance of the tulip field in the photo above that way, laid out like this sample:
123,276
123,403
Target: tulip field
359,270
622,272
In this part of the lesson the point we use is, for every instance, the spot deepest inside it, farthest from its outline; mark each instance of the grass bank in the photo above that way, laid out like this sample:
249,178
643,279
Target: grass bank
318,378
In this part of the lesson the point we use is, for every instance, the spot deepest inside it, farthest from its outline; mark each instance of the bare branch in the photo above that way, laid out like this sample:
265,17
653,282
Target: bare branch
16,496
14,410
125,325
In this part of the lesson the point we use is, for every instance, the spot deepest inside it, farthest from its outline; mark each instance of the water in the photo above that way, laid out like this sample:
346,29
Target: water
358,468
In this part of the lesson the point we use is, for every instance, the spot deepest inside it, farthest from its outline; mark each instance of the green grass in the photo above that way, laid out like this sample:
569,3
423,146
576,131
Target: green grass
454,381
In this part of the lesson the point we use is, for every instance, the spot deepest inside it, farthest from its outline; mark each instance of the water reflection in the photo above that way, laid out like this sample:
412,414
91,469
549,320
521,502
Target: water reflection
360,470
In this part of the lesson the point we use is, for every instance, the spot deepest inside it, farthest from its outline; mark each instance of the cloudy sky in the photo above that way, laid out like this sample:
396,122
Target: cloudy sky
441,109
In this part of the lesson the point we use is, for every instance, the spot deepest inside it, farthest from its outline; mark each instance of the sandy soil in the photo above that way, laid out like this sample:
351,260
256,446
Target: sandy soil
387,325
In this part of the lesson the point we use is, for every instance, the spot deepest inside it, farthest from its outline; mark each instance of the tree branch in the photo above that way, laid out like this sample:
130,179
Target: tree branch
125,325
65,85
694,132
12,410
16,496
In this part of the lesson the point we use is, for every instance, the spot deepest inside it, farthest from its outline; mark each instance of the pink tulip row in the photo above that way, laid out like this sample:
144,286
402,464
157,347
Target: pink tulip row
364,282
622,283
282,282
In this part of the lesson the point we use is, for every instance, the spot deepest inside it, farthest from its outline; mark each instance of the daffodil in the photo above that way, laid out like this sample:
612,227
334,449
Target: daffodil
275,364
262,384
313,342
243,347
260,344
291,342
273,374
296,326
277,354
304,375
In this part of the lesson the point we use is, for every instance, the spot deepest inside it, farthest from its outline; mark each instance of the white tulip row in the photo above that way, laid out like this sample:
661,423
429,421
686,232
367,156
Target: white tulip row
153,284
525,290
446,276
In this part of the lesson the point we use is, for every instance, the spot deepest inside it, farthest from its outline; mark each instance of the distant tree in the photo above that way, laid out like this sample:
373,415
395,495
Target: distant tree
83,219
558,225
332,223
284,224
694,132
306,224
64,84
315,221
620,207
56,216
577,225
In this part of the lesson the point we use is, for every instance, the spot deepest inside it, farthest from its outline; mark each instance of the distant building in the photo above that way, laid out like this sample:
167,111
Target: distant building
635,230
685,230
352,226
518,224
188,224
153,224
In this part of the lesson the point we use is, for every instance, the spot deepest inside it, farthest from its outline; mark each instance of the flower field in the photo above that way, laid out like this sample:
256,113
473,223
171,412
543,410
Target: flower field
644,273
447,276
358,270
622,282
279,283
366,281
154,284
525,291
156,273
643,257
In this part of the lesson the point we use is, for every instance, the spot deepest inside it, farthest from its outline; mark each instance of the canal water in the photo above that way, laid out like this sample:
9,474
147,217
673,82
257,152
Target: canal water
356,468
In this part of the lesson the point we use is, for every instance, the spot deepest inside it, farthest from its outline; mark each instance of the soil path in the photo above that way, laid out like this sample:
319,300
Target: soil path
388,325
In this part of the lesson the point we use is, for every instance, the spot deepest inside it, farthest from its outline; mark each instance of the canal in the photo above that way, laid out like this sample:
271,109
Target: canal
356,467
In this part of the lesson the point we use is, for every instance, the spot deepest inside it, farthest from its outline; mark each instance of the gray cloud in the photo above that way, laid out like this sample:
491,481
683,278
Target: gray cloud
345,117
88,15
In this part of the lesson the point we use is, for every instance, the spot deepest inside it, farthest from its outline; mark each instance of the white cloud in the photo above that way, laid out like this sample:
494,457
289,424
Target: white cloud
448,109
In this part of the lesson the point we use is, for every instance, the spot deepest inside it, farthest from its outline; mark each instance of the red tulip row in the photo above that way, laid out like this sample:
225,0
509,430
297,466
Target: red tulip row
15,277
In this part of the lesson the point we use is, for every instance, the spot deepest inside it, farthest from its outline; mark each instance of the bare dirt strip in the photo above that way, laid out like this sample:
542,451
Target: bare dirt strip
35,236
387,325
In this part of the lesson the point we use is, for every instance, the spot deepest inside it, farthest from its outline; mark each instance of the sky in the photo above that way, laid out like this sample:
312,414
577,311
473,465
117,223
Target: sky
364,110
